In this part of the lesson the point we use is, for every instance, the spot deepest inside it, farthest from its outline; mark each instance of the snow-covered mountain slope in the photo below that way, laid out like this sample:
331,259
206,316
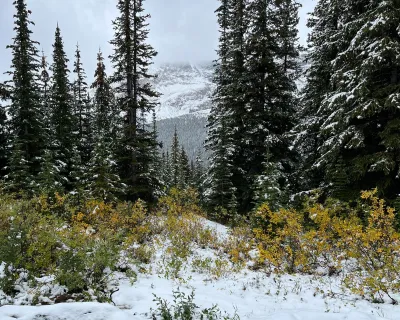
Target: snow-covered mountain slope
185,102
186,89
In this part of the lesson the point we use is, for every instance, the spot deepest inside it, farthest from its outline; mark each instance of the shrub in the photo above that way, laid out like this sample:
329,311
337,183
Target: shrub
279,238
184,308
38,243
376,247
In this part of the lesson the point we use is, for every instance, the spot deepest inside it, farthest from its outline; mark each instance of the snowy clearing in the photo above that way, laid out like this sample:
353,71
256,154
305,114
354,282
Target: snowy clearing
249,294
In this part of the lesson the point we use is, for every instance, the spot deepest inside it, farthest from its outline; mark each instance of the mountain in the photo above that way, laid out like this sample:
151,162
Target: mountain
185,103
186,89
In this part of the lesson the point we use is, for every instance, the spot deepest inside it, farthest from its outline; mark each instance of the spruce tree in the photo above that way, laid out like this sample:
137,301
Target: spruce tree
286,19
175,157
82,109
362,114
228,104
323,47
221,192
25,123
48,177
271,186
63,121
269,94
104,182
131,59
184,170
45,95
198,175
166,170
155,173
3,137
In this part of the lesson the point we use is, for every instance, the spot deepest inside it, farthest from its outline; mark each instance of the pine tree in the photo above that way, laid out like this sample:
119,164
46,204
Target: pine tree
62,118
362,114
25,123
131,60
104,182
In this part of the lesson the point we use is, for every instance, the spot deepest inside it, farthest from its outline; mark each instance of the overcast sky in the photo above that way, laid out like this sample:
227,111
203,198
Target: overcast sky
180,30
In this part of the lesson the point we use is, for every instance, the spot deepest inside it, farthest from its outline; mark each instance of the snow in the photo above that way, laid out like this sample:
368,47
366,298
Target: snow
185,88
251,294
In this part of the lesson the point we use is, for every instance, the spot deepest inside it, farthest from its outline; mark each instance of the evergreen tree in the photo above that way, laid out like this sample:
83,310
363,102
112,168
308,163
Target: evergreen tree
228,104
82,109
198,175
175,157
3,135
131,59
48,177
221,192
155,163
324,45
286,19
271,89
62,118
166,170
184,170
362,114
45,97
25,123
104,182
271,186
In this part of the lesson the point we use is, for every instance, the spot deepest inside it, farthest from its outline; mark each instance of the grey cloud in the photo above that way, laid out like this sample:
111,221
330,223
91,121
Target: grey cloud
180,30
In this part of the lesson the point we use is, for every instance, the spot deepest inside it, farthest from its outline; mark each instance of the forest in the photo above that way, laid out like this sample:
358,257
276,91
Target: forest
299,182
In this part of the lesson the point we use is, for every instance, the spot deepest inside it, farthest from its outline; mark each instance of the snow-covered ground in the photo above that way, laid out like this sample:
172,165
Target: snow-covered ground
250,294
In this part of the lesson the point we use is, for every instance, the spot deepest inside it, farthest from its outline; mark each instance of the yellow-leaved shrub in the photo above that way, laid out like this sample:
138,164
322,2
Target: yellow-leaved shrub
365,250
279,239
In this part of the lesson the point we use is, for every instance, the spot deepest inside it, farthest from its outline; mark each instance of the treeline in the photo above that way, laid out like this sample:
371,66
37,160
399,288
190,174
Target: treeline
87,139
268,142
178,172
339,135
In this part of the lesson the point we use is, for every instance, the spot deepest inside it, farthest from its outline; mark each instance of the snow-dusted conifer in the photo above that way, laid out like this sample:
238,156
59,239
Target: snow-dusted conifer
362,114
131,60
25,123
103,180
323,48
63,121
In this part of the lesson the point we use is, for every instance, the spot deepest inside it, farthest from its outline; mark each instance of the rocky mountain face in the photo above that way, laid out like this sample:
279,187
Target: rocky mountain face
185,103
